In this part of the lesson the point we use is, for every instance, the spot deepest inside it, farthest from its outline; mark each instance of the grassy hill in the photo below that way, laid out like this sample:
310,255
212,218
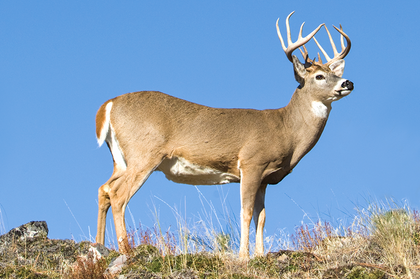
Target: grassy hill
382,242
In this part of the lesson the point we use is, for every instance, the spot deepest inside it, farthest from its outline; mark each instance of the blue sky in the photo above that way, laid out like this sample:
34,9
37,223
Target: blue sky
60,60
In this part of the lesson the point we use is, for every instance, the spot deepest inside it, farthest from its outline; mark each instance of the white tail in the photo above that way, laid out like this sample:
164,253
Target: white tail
195,144
104,129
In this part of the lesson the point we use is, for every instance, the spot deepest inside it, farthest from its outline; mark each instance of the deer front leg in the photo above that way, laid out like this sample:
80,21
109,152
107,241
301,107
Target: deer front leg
250,183
259,220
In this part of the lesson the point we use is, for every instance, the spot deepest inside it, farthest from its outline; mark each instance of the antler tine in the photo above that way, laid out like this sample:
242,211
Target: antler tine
332,42
304,52
305,55
279,34
289,39
319,58
341,38
344,49
289,35
300,41
322,50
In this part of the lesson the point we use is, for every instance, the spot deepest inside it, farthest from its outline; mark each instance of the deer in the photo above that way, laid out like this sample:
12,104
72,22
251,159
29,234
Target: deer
194,144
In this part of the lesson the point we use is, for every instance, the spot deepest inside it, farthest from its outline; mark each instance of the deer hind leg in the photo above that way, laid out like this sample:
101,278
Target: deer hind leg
103,205
259,220
120,194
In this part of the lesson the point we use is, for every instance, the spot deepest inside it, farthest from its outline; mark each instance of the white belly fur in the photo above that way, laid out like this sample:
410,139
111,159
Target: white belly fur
180,170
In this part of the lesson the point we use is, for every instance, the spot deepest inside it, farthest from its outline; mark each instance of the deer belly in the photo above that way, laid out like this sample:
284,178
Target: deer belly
181,170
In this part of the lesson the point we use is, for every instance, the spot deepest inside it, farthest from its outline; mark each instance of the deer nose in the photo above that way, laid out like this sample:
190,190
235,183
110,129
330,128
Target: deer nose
347,84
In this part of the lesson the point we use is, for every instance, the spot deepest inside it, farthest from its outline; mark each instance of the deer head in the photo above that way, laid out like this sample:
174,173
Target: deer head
322,79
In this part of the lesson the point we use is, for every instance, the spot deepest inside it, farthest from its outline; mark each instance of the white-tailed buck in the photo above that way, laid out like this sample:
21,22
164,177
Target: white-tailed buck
194,144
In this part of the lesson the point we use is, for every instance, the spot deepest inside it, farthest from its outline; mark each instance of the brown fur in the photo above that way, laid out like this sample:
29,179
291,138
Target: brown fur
100,119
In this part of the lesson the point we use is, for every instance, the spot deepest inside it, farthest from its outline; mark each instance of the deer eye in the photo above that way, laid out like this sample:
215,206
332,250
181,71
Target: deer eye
320,77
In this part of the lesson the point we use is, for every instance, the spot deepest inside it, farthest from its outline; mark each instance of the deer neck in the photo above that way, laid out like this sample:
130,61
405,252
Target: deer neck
305,119
307,111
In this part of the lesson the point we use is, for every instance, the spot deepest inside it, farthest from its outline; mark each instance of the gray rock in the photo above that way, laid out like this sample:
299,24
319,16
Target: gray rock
99,250
29,231
28,245
116,265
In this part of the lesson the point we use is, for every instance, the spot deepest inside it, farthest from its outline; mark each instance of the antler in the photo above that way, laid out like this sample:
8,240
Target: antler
344,50
300,41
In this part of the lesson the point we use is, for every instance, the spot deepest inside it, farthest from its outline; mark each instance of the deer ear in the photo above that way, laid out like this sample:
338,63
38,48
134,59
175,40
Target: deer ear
338,67
300,71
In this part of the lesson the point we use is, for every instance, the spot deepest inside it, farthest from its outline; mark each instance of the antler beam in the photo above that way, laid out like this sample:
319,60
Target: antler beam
300,41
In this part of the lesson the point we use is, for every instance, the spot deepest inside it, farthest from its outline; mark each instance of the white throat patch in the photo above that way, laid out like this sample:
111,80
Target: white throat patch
319,109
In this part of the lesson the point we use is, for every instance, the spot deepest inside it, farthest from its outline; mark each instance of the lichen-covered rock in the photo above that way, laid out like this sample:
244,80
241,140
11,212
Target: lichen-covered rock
29,247
117,265
28,232
99,250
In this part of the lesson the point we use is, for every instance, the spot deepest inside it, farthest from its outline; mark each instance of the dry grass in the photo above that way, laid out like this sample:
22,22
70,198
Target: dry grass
87,267
394,234
165,242
382,242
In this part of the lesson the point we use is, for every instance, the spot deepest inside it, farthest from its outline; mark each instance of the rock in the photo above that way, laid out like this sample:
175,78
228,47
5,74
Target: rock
28,245
283,258
116,265
102,250
98,251
30,231
95,252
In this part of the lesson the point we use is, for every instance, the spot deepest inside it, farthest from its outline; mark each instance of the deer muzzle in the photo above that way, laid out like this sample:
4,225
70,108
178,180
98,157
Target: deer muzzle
347,85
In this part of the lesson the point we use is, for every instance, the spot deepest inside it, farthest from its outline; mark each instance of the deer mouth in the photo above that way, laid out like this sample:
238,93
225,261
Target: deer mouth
346,88
343,92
